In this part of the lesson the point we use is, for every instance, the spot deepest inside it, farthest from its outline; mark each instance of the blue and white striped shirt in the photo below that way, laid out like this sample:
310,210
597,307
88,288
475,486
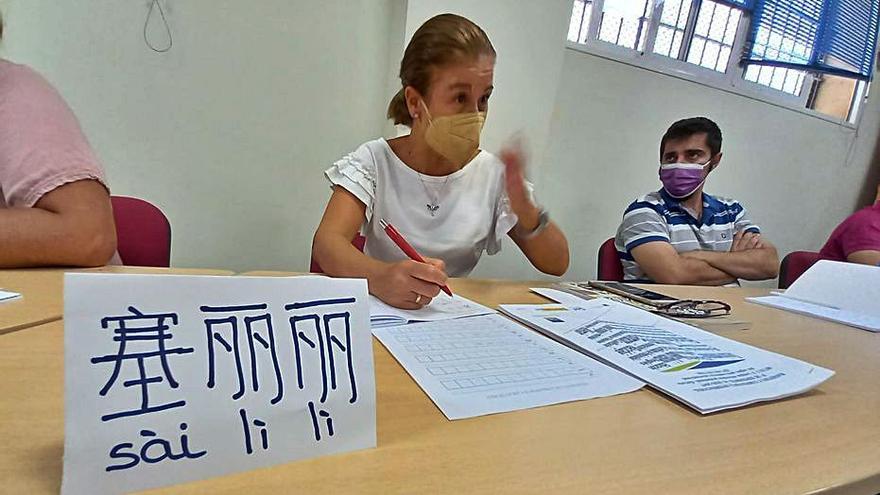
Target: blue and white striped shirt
658,216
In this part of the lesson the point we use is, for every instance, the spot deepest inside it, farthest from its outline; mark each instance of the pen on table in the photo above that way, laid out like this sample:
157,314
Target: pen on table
553,308
406,247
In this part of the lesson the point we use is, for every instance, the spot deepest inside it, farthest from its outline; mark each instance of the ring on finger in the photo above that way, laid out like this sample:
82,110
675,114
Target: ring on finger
418,298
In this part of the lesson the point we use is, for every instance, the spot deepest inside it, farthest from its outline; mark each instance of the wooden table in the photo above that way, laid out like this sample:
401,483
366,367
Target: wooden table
824,441
42,291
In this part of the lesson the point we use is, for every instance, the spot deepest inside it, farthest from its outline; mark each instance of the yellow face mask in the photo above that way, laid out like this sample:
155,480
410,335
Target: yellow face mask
455,137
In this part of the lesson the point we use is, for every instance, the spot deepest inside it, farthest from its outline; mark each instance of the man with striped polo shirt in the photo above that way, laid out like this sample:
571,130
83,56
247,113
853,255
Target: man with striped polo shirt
681,235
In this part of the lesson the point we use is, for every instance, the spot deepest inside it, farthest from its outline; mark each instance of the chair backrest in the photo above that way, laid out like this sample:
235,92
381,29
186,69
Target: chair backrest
359,241
143,233
609,266
794,265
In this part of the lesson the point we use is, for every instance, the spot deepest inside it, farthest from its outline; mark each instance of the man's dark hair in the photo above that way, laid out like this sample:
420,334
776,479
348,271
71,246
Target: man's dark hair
694,125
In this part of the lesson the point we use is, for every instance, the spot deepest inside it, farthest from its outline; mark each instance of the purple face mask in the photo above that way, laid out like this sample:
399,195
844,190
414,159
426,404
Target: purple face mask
681,179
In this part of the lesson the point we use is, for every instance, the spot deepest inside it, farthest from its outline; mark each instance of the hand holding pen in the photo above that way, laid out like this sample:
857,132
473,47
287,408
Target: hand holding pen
410,284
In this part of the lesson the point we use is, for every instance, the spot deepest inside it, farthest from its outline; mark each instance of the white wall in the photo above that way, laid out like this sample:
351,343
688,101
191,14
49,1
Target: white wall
787,168
529,38
228,132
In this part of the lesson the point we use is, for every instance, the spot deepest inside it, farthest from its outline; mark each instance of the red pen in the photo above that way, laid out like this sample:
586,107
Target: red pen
406,247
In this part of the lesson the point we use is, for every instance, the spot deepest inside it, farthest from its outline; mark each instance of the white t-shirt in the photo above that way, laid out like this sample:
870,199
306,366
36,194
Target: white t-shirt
473,216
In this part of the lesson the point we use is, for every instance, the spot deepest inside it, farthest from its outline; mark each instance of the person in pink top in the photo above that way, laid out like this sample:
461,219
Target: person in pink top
857,239
54,203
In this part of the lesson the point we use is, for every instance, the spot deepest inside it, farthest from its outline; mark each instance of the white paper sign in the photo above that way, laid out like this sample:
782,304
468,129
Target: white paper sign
840,292
847,286
178,378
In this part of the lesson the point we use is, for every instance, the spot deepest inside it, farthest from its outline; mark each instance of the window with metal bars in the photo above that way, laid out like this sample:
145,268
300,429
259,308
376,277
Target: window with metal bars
625,23
672,29
711,35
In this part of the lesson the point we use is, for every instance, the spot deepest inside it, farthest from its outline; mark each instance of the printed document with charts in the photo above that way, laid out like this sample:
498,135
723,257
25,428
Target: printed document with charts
707,372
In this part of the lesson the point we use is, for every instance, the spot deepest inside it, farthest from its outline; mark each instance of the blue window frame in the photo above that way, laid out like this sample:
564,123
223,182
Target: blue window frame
837,37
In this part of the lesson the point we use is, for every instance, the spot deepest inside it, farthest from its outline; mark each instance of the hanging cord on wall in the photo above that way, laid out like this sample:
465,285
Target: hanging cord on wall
153,5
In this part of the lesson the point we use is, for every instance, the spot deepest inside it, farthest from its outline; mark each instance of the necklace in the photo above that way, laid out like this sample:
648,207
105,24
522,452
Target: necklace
433,203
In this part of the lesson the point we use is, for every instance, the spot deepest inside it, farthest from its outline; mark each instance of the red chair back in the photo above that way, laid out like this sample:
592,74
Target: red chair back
359,241
794,265
143,233
610,268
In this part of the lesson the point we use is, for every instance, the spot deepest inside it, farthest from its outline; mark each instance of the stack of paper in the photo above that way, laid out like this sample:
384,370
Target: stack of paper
5,295
707,372
490,364
845,293
441,308
562,297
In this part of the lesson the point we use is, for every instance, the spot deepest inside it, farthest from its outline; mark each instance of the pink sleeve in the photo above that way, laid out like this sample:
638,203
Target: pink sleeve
41,144
863,234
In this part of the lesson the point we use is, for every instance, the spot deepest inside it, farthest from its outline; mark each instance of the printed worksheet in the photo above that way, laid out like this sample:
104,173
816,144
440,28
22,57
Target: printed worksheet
489,364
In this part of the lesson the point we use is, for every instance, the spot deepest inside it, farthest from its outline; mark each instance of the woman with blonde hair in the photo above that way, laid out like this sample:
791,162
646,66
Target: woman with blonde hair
448,198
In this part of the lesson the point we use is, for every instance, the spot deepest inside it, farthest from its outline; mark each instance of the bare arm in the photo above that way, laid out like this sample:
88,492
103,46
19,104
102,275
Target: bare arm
750,258
332,247
400,284
71,225
548,251
664,265
866,257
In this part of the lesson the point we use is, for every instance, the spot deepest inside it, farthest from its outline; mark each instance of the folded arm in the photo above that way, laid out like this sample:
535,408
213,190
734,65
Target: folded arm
71,225
750,258
662,264
865,257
